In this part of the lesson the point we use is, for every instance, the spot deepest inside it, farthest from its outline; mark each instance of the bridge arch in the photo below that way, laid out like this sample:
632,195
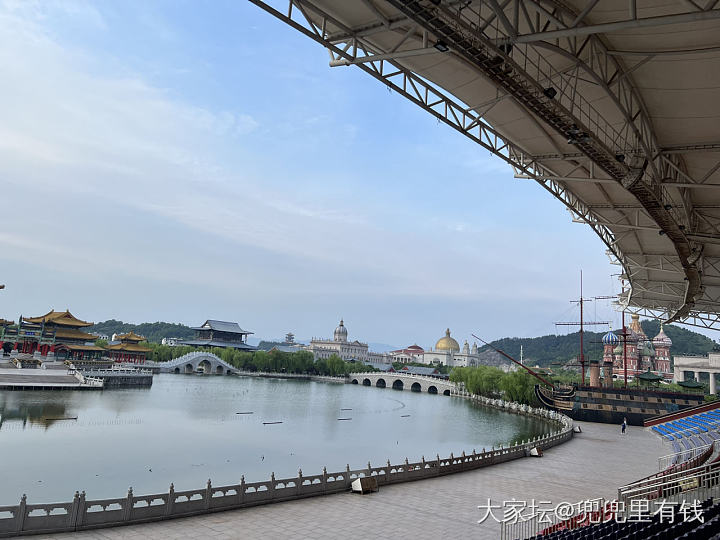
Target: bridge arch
403,381
205,366
196,361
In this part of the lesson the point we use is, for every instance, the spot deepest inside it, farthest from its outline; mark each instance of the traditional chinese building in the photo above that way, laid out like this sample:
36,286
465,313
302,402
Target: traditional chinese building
227,335
56,334
128,348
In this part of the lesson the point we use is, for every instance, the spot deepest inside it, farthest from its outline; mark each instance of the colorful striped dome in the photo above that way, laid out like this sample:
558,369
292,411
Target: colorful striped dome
610,339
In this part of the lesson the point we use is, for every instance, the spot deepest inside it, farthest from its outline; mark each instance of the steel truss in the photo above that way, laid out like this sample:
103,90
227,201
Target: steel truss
488,35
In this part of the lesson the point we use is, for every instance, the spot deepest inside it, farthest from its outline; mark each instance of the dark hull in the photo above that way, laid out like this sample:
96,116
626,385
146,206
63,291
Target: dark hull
612,405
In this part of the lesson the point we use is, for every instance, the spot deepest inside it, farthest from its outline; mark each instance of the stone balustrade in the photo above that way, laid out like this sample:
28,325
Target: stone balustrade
81,514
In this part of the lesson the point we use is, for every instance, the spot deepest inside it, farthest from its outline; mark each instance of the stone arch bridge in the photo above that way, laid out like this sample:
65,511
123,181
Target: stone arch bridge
204,362
404,381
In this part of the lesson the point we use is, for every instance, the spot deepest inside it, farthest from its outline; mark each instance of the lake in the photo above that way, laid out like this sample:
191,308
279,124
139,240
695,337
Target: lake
185,429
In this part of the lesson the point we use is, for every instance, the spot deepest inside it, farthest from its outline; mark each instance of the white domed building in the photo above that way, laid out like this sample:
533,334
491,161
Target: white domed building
447,352
339,345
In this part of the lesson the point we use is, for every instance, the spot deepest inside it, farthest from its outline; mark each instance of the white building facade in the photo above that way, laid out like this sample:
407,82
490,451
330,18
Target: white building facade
447,352
340,346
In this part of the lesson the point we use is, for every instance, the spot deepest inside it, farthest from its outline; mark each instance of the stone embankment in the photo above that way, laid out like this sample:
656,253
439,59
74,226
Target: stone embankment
81,513
275,375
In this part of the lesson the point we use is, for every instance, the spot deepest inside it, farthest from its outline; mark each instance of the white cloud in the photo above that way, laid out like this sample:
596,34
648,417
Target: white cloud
135,184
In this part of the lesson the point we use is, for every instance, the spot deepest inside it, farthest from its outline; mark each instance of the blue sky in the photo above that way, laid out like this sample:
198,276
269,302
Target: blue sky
181,161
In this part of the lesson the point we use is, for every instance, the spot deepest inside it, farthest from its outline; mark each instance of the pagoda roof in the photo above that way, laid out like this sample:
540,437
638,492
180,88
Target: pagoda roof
69,333
691,384
222,326
84,347
650,376
60,318
130,336
129,347
217,343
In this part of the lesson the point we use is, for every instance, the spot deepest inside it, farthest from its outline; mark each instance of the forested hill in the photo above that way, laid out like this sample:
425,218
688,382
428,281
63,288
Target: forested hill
154,332
551,349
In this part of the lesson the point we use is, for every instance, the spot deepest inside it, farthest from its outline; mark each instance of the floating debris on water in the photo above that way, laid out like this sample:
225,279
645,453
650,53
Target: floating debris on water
344,418
404,415
250,412
266,423
346,409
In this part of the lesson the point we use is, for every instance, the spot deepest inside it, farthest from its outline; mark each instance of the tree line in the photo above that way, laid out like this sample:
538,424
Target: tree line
298,362
493,382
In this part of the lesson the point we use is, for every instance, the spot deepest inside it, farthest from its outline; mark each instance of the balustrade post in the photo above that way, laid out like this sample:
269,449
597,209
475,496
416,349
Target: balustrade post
348,481
324,478
128,504
81,510
208,494
272,485
242,489
299,482
170,501
21,514
74,509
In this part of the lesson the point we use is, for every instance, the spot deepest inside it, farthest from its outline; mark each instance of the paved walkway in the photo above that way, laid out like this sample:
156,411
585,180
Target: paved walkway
12,377
594,464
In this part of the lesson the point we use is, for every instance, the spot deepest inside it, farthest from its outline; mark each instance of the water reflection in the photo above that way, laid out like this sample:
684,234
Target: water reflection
16,412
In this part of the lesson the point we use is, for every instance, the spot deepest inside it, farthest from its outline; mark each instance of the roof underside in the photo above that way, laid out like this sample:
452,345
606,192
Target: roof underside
611,106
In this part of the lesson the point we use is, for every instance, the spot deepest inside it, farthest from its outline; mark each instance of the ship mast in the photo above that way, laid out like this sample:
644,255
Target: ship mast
582,324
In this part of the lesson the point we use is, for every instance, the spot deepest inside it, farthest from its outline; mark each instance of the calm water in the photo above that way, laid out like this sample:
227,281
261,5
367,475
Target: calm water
185,430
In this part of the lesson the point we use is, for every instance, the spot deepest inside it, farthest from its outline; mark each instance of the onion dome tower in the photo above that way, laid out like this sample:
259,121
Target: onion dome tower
662,345
447,343
340,333
610,341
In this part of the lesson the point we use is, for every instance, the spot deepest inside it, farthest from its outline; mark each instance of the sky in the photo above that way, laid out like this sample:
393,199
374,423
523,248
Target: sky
179,161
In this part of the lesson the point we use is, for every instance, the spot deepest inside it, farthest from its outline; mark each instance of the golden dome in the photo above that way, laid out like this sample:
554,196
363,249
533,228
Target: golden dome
447,343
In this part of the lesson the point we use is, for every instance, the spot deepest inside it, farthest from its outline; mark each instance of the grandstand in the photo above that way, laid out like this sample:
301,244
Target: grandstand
706,525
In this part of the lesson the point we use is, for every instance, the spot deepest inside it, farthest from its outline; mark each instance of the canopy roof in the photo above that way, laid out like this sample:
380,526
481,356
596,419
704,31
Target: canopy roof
691,384
60,318
611,106
649,376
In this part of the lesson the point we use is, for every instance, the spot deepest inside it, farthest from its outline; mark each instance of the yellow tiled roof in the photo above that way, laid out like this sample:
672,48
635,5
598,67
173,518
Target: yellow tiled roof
130,336
61,318
68,333
128,347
